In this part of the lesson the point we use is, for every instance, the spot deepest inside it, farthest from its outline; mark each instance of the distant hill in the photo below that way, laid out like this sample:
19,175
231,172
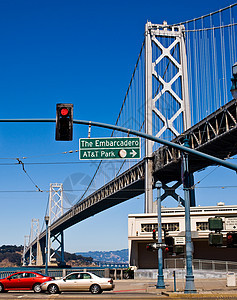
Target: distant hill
118,256
11,256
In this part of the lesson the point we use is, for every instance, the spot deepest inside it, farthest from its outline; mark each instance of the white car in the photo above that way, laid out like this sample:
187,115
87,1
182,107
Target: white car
79,281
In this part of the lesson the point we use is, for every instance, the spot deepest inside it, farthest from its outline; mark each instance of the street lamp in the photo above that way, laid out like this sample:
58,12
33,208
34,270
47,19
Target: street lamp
234,81
46,218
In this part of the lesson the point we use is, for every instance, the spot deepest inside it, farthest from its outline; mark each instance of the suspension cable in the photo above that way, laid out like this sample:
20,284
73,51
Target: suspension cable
207,15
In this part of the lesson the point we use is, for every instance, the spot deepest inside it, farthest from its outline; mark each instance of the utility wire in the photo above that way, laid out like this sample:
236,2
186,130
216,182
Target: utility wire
42,155
23,168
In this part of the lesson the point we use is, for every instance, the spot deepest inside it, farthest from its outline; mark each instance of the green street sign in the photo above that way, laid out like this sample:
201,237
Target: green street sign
110,148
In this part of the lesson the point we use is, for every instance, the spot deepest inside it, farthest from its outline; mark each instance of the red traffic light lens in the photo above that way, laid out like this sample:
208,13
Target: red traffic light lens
64,111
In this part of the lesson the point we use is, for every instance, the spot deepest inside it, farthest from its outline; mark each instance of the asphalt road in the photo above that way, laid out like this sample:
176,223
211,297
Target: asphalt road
138,289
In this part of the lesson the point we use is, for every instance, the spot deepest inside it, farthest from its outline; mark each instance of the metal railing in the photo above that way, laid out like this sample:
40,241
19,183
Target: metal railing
201,264
115,273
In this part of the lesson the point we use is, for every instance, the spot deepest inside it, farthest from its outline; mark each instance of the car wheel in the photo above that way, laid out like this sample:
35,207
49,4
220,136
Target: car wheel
95,289
53,289
1,288
37,288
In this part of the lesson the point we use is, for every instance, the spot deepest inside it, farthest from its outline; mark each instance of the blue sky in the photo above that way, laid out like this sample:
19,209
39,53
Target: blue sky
80,52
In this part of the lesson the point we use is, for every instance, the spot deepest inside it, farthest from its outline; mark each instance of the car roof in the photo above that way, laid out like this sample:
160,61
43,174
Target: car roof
21,272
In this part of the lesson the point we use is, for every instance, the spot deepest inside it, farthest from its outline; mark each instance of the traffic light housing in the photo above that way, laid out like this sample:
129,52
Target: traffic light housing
169,241
215,239
151,247
179,249
215,224
154,234
64,122
231,238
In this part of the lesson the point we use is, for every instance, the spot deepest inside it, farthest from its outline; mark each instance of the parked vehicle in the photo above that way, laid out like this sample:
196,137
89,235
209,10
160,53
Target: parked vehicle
79,281
23,281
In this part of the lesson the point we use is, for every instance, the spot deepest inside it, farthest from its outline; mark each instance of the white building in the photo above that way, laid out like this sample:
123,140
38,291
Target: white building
140,228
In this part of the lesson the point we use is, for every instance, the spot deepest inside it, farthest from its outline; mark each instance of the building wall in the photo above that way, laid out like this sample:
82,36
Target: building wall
203,251
140,233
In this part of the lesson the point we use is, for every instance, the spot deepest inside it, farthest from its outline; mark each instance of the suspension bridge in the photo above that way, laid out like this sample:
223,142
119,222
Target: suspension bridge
180,88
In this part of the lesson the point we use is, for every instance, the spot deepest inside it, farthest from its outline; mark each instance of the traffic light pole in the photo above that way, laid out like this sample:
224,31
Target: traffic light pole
189,287
46,244
160,280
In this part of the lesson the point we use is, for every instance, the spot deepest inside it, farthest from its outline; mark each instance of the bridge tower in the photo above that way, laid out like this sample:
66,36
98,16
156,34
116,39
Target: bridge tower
164,87
34,234
55,212
26,244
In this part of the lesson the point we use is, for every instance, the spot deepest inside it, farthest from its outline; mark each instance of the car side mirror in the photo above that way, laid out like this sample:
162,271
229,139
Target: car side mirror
64,279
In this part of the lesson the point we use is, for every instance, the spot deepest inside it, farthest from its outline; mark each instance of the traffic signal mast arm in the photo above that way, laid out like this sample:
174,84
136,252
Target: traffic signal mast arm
137,133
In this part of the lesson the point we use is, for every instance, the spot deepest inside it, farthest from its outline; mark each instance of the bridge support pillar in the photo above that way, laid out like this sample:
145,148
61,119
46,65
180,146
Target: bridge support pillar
39,254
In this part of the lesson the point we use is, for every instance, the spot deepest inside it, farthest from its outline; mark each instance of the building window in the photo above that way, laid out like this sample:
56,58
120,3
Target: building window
171,226
148,227
166,226
200,226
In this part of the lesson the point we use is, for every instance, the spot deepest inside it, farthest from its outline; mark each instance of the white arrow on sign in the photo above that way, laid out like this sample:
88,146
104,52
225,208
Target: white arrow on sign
133,153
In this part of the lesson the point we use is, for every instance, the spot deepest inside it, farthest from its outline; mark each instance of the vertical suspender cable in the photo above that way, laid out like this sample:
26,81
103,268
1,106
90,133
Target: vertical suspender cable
214,62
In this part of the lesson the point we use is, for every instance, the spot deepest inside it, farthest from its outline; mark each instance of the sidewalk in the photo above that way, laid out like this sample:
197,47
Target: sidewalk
206,288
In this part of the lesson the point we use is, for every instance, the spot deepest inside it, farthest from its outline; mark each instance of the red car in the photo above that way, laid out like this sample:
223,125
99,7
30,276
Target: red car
23,281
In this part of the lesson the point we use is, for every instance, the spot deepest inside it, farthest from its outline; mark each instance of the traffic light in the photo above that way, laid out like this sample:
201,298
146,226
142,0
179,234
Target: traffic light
154,234
215,224
179,249
231,239
215,239
151,247
64,122
169,241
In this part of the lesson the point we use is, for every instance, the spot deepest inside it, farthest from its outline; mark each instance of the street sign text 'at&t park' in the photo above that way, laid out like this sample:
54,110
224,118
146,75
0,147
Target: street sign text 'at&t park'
110,148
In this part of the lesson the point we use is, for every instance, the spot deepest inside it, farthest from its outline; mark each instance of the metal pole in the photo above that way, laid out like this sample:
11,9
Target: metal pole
160,280
62,249
174,275
189,287
46,218
214,159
